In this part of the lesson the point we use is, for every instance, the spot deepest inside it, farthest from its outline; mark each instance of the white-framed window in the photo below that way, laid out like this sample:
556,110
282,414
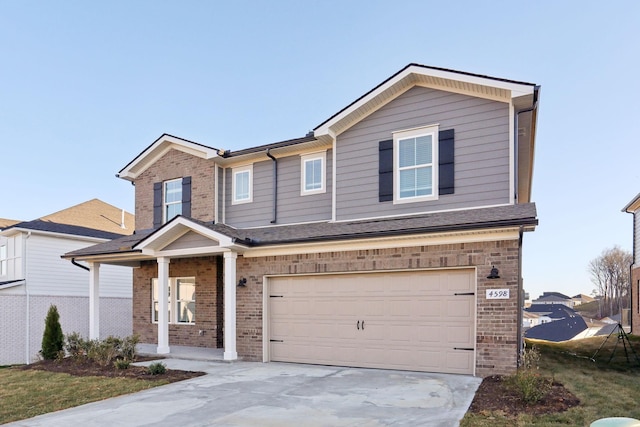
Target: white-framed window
415,164
242,184
3,260
313,168
172,198
182,300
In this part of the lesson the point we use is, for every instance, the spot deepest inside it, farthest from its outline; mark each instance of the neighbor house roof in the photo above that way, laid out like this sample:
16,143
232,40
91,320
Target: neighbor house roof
54,227
633,205
554,311
7,222
502,216
558,330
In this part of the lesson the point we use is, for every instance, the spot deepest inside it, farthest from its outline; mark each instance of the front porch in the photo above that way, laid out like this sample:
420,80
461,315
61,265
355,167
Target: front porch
183,352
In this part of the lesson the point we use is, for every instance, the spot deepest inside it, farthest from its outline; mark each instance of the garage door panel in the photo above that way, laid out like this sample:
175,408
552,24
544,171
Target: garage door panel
413,320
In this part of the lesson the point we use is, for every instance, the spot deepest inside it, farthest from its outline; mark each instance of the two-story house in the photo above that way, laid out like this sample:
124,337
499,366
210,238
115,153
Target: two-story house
633,207
390,236
33,276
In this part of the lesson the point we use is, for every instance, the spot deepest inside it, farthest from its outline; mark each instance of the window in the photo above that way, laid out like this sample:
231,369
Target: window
182,300
3,260
242,184
313,167
415,164
172,198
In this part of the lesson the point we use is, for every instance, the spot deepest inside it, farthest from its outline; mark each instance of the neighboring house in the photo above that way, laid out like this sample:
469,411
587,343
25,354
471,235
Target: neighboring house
529,320
369,242
581,299
554,298
560,330
633,207
33,276
4,223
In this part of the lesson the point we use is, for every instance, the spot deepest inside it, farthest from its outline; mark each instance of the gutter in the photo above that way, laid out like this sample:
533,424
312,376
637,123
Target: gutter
84,267
275,186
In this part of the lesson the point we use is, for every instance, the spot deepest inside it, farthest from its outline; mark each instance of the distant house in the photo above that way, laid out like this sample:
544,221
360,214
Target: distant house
554,298
33,276
581,299
565,323
633,207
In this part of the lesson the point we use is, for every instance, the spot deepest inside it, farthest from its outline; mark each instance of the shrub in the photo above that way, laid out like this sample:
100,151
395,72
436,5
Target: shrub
157,368
75,346
102,352
527,381
52,338
127,348
121,363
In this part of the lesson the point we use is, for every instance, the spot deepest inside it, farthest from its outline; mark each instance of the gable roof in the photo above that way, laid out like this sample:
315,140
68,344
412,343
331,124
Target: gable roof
555,294
558,330
554,311
633,205
93,218
4,222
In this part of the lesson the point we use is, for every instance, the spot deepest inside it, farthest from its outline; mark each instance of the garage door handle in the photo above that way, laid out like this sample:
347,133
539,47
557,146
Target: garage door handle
464,348
358,325
363,325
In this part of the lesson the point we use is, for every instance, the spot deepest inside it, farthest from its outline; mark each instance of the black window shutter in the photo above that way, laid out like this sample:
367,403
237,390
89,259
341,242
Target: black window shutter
446,172
385,170
157,204
186,196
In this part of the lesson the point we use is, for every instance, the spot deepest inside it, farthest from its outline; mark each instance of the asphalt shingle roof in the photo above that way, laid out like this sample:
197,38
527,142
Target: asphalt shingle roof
511,215
53,227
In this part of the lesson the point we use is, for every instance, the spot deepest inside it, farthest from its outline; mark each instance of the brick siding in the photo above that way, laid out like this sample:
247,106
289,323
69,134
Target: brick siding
176,164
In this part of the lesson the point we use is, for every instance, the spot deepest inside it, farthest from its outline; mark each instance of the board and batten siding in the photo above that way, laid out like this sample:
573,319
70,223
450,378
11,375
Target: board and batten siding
292,206
481,153
48,274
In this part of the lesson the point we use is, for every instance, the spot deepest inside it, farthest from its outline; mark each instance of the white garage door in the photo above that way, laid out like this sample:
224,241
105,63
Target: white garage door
417,320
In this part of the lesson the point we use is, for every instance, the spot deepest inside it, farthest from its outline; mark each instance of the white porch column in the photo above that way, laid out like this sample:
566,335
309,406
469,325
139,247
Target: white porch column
94,300
230,352
163,306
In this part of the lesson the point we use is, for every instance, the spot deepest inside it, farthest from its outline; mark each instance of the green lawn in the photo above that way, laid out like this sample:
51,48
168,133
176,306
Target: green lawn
605,389
27,393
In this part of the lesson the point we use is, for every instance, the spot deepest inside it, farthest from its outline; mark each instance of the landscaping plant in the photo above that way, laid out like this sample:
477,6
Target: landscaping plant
53,338
530,384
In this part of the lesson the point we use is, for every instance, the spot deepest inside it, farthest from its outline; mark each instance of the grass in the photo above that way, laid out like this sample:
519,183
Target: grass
605,389
27,393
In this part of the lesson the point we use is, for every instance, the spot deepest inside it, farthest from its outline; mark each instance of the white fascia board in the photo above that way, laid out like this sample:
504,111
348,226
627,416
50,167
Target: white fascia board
176,229
631,207
158,149
516,90
432,239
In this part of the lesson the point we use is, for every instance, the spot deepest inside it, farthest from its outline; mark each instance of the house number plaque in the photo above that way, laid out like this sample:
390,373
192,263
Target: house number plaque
497,293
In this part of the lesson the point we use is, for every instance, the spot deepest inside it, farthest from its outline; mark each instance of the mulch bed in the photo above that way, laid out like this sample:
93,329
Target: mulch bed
494,395
87,367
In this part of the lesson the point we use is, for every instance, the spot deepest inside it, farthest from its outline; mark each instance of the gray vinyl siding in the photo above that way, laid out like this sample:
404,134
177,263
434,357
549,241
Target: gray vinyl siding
292,207
481,153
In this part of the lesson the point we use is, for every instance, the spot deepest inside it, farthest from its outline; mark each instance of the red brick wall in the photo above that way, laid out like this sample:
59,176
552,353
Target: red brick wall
176,164
208,303
497,320
635,301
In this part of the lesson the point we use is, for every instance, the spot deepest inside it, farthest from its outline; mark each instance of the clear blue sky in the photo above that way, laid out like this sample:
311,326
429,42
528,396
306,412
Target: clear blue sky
86,86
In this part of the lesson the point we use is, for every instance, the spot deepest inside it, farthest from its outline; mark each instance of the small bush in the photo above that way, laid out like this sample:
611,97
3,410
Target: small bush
52,338
121,364
157,368
527,381
102,352
127,348
75,346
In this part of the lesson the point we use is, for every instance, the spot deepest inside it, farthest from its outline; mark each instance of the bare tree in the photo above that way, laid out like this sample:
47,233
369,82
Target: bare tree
610,273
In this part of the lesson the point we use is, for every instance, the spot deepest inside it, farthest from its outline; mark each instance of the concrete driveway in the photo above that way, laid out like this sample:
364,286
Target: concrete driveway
281,394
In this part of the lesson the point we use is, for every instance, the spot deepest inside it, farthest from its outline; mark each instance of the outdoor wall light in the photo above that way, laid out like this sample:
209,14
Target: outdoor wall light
495,274
242,282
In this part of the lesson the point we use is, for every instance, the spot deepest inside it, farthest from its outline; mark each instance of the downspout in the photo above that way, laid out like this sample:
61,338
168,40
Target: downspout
84,267
275,187
520,298
517,139
26,290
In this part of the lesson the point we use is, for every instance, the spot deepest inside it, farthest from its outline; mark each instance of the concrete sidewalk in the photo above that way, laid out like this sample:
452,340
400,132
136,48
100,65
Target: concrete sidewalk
281,394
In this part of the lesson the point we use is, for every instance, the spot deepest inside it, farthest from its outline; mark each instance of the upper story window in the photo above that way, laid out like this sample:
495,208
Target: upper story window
3,260
182,300
172,199
415,164
313,173
242,184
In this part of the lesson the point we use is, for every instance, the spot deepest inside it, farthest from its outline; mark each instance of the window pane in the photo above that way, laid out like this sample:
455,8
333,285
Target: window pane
424,152
172,210
407,152
173,191
186,296
313,174
407,183
423,181
155,300
242,185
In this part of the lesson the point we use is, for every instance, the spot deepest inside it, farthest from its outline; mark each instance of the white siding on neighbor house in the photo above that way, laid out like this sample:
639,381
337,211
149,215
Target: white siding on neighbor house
14,257
48,274
482,154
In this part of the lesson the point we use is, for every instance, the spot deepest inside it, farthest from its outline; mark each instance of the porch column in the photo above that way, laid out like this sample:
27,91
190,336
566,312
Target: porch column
230,352
94,300
163,306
